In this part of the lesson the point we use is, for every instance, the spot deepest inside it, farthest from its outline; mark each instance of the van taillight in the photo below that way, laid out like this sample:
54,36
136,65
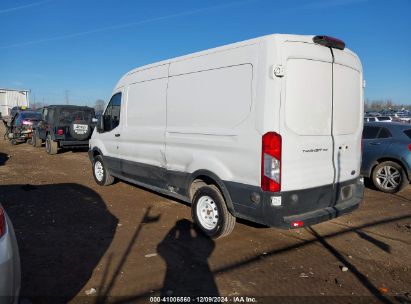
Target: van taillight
2,222
297,224
60,132
271,162
409,147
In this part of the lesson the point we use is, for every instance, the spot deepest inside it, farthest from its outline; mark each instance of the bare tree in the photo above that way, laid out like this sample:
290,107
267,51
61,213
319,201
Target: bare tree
384,104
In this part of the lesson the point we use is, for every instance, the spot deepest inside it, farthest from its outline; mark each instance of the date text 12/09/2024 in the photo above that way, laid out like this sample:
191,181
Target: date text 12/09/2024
203,299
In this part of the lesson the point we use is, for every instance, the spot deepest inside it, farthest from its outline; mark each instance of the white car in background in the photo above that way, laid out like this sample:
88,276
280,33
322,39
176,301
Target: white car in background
402,117
377,118
10,275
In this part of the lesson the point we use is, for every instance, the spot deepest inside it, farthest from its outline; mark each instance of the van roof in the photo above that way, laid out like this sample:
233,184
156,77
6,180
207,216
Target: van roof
278,37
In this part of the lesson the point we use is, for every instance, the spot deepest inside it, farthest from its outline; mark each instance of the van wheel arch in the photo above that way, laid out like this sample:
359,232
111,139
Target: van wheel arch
96,152
204,177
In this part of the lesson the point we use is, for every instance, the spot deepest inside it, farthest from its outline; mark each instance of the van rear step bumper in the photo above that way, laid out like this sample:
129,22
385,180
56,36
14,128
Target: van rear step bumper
322,215
310,206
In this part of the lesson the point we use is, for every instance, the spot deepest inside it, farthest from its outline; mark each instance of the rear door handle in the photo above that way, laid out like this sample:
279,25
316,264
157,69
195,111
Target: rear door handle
375,143
117,135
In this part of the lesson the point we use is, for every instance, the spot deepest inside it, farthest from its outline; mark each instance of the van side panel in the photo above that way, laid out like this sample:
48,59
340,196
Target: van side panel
211,101
142,138
210,117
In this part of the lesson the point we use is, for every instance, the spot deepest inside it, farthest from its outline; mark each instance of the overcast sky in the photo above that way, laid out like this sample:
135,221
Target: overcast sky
85,46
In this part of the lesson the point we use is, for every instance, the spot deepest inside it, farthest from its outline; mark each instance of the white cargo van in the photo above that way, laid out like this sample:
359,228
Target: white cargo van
267,129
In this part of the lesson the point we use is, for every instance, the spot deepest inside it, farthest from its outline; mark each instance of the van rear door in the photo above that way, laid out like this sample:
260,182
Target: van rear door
348,114
306,100
322,119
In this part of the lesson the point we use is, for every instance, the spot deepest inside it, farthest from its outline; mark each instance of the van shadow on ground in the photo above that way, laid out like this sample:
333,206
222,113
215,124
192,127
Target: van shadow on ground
63,230
186,251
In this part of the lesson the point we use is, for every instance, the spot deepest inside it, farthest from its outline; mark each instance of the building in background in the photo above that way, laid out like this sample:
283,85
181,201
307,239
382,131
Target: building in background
10,98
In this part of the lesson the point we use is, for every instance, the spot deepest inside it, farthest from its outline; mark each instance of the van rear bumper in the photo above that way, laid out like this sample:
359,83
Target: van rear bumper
311,206
322,215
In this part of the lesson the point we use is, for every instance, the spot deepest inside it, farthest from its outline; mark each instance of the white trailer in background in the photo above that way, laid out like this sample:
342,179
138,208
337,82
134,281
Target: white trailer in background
10,98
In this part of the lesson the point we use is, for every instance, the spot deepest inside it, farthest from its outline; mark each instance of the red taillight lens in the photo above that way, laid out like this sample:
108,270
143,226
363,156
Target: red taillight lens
2,222
409,147
60,132
297,224
271,162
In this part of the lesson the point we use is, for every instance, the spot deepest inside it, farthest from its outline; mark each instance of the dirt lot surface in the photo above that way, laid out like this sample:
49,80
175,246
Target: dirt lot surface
130,244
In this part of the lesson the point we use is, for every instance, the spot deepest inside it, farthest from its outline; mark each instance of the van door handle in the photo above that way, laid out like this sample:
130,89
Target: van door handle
117,135
375,143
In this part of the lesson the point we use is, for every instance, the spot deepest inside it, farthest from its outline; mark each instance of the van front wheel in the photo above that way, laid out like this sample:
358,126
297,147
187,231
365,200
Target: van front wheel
210,213
100,172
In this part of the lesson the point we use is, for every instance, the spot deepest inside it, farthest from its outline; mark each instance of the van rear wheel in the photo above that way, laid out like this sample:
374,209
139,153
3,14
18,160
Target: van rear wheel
100,172
210,213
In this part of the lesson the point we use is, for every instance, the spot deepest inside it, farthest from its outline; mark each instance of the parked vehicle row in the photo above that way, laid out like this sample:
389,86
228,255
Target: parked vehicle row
20,127
377,118
392,116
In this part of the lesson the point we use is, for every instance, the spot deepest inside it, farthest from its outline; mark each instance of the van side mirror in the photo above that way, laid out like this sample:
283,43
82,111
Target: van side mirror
100,124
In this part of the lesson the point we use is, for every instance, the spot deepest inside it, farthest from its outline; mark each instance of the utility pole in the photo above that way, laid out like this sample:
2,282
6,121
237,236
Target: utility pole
67,97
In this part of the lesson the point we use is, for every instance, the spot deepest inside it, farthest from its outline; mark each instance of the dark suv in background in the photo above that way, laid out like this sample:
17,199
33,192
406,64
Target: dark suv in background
64,126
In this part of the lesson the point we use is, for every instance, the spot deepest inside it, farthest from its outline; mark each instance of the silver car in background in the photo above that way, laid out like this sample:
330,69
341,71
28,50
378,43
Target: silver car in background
10,275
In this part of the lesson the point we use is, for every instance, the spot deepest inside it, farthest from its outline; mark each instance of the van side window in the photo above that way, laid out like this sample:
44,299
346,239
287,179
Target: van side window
112,113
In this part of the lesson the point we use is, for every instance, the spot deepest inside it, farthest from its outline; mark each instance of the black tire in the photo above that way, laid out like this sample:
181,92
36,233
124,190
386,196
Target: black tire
104,178
389,177
80,130
36,141
13,142
208,201
51,145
